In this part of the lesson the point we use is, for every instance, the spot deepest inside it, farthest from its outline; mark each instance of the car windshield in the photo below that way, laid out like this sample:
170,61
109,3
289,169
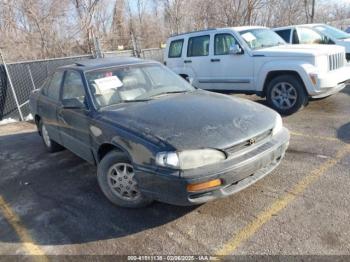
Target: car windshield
133,84
332,32
261,38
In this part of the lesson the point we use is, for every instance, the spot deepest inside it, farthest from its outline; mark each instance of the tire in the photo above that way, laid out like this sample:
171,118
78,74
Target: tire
291,89
50,145
114,182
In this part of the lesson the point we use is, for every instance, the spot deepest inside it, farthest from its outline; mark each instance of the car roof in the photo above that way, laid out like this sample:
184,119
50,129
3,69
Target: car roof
244,28
93,64
237,28
292,26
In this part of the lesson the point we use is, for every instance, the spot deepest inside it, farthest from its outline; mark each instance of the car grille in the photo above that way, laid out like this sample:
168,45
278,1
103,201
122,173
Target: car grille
248,142
336,61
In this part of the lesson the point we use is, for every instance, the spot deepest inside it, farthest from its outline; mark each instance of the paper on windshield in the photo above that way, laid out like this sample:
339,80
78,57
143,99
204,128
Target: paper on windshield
249,37
107,83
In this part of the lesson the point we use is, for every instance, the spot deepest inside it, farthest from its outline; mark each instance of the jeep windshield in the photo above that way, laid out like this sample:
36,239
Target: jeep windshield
332,32
136,83
261,38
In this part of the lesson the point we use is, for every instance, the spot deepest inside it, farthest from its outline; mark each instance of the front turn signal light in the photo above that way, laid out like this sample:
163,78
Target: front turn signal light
204,185
313,78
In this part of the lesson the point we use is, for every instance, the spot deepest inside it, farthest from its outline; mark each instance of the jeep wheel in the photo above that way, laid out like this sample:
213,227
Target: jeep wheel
286,94
50,145
115,175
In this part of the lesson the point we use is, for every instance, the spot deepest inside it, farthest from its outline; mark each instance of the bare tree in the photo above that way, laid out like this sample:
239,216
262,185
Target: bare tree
86,10
51,28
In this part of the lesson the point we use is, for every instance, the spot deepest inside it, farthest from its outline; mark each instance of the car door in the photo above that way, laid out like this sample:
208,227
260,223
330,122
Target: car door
173,57
197,60
75,122
48,104
309,36
230,71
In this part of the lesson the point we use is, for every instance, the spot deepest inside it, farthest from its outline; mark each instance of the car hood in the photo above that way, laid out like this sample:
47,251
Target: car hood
194,120
299,50
345,43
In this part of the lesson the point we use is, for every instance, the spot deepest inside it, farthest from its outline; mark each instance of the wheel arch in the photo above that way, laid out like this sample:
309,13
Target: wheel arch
105,148
37,119
273,74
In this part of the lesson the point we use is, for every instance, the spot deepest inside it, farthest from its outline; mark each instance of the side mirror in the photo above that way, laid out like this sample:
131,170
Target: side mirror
72,103
235,50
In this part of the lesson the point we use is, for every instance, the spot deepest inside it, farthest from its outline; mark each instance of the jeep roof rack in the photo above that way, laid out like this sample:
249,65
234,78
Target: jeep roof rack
196,31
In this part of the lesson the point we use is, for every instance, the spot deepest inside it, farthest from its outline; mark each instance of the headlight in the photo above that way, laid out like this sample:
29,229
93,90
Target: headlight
278,125
189,159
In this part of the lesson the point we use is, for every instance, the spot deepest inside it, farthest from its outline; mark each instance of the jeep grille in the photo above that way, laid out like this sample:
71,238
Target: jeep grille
336,61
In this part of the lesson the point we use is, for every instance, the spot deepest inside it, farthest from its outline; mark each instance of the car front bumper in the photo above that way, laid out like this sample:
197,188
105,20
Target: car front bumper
236,173
331,82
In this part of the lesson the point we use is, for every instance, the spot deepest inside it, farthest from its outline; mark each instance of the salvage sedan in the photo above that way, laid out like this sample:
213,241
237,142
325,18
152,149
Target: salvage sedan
155,137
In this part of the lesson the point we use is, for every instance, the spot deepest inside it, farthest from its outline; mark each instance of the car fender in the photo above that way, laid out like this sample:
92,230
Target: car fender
127,142
302,68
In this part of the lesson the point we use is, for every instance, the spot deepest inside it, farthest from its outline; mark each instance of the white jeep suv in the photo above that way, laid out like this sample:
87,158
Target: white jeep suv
255,60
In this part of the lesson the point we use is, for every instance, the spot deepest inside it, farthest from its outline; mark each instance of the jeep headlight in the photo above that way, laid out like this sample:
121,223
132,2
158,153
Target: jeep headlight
278,125
189,159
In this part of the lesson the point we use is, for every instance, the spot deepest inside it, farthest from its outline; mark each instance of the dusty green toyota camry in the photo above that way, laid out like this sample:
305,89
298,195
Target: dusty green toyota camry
155,137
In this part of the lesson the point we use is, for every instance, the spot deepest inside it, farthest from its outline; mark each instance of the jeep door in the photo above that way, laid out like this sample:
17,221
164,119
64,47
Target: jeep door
197,60
75,121
174,55
230,71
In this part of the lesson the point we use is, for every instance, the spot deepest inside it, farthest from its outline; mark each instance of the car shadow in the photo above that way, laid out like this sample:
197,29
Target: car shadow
346,90
343,133
57,198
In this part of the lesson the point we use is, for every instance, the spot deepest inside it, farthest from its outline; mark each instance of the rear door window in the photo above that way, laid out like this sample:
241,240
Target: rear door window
198,46
52,88
175,48
285,34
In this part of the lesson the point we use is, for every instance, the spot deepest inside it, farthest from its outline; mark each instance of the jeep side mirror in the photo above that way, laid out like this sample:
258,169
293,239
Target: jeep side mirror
235,50
72,103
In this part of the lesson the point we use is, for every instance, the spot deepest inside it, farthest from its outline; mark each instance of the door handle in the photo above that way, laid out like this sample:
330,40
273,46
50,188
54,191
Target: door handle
215,60
187,61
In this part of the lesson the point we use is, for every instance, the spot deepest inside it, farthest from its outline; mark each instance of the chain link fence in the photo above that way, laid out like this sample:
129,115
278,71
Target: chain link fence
156,54
17,80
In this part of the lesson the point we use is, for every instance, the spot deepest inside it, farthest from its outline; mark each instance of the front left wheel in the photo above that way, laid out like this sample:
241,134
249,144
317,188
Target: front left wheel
286,94
116,178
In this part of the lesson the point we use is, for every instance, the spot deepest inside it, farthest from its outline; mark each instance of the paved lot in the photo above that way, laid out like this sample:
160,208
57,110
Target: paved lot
51,203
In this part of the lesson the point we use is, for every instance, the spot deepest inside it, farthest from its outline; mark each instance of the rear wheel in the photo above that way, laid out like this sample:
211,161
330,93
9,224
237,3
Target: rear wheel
50,145
286,94
116,178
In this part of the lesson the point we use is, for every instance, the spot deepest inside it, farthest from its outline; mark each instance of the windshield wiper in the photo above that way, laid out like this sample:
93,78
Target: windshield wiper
170,92
134,100
126,101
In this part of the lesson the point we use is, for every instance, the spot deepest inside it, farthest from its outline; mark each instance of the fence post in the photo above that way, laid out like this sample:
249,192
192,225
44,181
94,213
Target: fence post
31,77
11,86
